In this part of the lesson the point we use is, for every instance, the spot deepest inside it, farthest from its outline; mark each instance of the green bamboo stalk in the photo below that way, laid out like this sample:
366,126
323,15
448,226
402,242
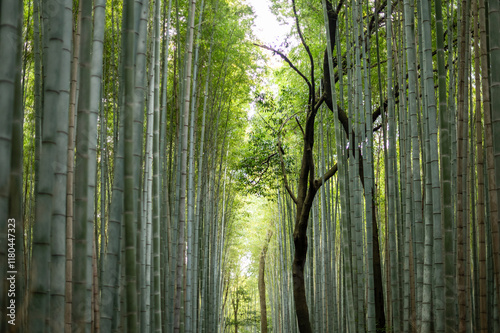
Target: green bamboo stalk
324,257
37,90
392,182
11,236
493,40
482,301
340,142
146,236
490,181
96,74
165,172
111,277
156,304
56,103
141,19
111,274
488,147
315,271
191,228
406,280
103,188
369,189
412,107
341,162
129,161
445,149
357,118
462,135
183,168
198,219
355,181
84,181
16,181
435,193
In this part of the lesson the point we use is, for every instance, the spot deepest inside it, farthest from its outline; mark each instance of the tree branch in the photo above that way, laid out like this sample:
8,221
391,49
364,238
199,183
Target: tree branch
311,87
268,159
285,178
300,126
329,174
339,6
284,57
344,120
261,174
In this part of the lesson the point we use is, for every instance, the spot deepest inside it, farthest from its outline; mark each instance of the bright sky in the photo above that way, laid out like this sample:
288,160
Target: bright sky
267,28
269,31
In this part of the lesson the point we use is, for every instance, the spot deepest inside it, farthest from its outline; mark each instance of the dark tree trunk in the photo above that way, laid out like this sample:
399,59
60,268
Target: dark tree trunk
306,191
299,290
308,187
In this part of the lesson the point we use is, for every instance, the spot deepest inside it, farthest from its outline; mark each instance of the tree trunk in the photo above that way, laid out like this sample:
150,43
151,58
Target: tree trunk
299,291
304,205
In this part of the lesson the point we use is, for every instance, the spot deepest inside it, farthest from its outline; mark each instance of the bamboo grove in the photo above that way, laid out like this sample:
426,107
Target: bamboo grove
401,169
137,194
115,153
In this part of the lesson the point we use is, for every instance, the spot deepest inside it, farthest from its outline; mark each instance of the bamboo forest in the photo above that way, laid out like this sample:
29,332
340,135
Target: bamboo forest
221,166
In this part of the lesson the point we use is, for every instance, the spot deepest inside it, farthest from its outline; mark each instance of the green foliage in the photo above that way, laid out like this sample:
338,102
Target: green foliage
260,164
245,240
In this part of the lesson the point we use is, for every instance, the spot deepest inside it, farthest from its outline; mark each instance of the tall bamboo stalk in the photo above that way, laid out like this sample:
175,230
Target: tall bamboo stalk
129,161
493,40
11,148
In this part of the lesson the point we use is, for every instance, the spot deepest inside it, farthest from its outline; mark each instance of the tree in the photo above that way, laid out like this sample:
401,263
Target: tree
308,184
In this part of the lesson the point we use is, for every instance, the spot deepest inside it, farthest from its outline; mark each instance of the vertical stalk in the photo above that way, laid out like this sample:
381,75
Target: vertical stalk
129,160
181,250
493,39
71,167
11,150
